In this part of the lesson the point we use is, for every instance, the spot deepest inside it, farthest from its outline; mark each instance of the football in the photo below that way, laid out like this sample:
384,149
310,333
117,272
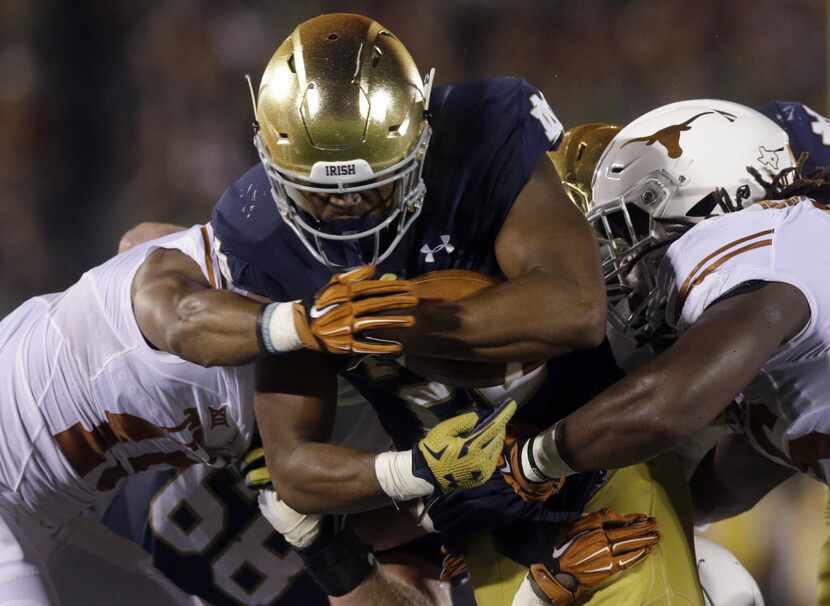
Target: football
454,285
451,284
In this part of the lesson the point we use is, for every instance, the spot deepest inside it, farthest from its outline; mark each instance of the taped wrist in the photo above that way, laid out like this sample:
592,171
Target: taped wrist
541,456
275,328
397,477
338,561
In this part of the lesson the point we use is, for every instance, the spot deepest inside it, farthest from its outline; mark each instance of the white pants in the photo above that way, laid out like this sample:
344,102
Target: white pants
81,563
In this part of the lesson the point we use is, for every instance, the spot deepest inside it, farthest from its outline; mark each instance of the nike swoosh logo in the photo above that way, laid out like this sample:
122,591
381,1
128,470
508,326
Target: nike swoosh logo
624,563
608,568
319,313
436,455
558,552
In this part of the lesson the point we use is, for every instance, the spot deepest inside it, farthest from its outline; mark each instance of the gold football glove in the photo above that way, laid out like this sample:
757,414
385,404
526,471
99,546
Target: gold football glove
349,305
593,548
458,454
257,476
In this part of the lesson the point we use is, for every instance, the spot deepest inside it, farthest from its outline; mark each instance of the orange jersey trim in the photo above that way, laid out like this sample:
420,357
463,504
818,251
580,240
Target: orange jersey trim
702,270
208,258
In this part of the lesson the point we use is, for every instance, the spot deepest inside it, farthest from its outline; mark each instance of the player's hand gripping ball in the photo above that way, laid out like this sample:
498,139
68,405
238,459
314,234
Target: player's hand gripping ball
448,286
351,304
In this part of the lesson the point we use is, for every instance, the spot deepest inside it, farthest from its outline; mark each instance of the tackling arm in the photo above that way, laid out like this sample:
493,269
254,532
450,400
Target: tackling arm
553,301
682,390
178,312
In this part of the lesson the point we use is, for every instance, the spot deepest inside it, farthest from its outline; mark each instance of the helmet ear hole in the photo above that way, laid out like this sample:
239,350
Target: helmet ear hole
291,64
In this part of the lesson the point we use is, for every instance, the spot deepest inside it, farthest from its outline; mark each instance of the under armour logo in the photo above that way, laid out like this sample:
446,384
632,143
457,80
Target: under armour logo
430,252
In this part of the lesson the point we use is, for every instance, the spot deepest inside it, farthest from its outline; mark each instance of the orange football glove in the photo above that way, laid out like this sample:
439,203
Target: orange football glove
592,549
511,471
346,307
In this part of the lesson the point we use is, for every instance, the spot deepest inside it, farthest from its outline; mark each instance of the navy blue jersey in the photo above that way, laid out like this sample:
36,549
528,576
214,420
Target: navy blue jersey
485,144
204,530
488,136
808,130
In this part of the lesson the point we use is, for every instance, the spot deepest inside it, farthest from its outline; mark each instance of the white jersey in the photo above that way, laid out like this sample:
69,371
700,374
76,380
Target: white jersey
85,401
787,406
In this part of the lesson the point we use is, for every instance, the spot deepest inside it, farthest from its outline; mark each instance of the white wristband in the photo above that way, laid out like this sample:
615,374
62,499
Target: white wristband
546,456
528,469
278,331
394,474
298,529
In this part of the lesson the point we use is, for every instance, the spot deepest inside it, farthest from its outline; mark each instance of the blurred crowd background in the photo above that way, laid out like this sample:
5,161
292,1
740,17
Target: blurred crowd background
113,112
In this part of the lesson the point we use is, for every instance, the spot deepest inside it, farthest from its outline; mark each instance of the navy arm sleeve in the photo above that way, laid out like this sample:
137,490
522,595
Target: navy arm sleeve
808,130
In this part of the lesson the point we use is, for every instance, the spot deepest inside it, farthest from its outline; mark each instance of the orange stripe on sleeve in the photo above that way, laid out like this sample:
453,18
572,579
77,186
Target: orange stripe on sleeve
208,257
688,282
688,286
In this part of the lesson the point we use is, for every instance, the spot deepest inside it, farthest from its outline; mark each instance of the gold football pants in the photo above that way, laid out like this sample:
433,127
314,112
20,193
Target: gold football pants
667,576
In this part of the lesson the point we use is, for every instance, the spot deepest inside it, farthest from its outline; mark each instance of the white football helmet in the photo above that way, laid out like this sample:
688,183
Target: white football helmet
666,170
724,580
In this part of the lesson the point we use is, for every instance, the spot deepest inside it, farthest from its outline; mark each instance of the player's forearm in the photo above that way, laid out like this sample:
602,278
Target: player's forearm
680,391
214,328
221,328
325,478
634,420
653,408
531,317
631,422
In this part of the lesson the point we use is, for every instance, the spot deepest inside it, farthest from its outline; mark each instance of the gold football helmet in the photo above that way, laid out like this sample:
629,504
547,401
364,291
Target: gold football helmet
578,156
342,134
